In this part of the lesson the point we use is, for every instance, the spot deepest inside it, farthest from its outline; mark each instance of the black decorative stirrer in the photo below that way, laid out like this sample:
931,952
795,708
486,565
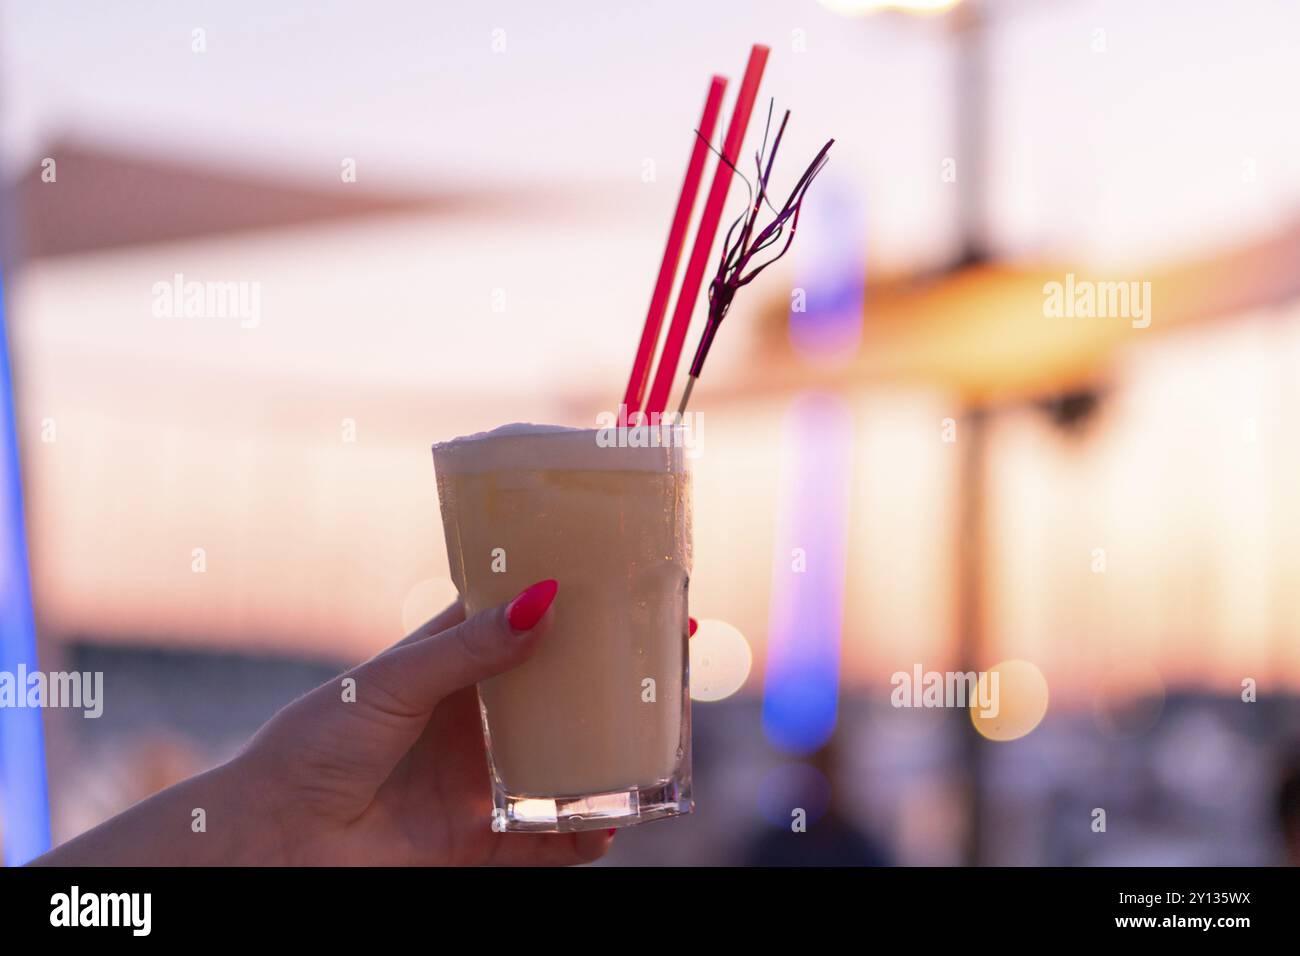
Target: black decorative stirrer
738,255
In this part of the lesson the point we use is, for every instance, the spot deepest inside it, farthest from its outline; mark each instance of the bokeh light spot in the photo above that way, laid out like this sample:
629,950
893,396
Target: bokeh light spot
424,600
720,660
790,787
1021,701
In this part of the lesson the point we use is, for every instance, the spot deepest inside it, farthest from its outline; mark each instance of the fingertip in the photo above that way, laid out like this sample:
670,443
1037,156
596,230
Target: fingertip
531,604
590,845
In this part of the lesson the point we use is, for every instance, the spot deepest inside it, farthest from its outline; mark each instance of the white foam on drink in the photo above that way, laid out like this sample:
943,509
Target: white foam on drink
523,446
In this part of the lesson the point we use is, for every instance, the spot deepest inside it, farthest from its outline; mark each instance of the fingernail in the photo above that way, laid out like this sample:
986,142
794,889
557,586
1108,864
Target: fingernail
527,609
693,626
611,831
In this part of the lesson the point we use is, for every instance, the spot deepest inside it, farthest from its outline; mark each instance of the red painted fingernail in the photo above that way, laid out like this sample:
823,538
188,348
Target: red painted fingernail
693,626
527,609
611,831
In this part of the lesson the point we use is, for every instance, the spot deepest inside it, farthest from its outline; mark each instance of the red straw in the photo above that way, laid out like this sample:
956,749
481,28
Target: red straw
654,318
712,215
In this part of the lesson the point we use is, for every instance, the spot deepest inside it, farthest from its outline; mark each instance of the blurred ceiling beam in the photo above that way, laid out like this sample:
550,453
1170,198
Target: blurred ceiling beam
981,332
105,198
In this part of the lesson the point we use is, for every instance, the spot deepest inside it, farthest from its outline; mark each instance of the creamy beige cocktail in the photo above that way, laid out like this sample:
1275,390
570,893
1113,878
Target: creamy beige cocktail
594,730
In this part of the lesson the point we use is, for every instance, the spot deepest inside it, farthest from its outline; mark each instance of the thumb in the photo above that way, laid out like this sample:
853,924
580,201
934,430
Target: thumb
409,679
394,694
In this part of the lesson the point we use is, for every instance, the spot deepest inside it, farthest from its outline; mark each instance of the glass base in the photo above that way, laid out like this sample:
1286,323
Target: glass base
600,811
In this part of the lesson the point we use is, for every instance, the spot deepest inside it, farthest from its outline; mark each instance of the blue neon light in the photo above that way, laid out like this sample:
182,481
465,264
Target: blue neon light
24,805
831,266
802,677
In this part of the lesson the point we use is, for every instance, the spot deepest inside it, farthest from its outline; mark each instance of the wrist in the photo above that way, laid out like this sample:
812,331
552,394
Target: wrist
244,818
218,818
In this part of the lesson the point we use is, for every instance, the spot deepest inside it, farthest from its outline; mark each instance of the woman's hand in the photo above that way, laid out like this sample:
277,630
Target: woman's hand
384,765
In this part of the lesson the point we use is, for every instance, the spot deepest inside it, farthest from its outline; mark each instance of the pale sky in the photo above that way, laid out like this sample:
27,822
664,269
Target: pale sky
1170,131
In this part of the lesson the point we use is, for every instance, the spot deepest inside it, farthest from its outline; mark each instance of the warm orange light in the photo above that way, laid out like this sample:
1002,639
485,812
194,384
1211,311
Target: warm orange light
1021,694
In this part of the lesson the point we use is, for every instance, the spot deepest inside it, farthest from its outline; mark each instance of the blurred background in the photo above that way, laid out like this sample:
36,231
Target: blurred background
446,217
